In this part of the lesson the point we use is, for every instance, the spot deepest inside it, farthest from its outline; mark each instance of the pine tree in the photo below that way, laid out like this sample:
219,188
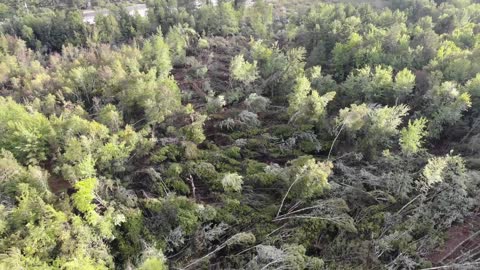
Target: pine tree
243,71
411,137
232,182
305,104
83,199
156,54
404,83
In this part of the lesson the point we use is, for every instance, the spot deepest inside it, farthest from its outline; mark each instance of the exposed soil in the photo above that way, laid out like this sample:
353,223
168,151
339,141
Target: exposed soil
462,245
57,184
203,193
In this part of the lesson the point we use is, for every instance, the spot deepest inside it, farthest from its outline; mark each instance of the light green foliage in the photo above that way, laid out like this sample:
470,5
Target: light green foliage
167,100
221,19
404,83
385,120
112,155
159,98
248,119
165,14
178,39
311,177
354,117
214,104
343,53
21,71
110,117
357,84
288,256
383,126
306,104
105,161
172,212
153,264
194,131
72,125
266,57
454,62
48,105
279,69
322,83
232,182
377,125
473,86
203,43
411,137
241,239
3,222
317,104
43,237
107,28
242,70
377,85
464,36
260,19
86,167
433,171
87,146
256,103
227,18
156,54
382,81
446,106
4,11
83,199
25,134
39,222
81,81
12,173
190,150
448,184
299,95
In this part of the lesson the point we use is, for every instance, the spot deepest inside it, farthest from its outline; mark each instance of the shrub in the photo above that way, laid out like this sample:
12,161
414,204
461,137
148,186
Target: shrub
310,177
256,103
242,70
305,104
203,43
411,137
228,124
26,135
215,104
83,199
232,182
249,119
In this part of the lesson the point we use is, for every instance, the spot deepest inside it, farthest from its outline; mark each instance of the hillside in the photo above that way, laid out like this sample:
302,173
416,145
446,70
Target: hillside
239,135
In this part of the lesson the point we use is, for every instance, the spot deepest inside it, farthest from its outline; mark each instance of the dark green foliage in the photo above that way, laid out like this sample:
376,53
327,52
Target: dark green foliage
222,19
51,30
166,214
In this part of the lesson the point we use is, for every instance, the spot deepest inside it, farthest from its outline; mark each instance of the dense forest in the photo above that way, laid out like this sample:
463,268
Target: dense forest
240,135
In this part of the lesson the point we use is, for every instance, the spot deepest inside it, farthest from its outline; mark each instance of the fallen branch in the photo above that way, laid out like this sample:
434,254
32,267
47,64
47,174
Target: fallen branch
335,140
304,217
451,265
190,179
459,245
286,194
220,247
410,202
